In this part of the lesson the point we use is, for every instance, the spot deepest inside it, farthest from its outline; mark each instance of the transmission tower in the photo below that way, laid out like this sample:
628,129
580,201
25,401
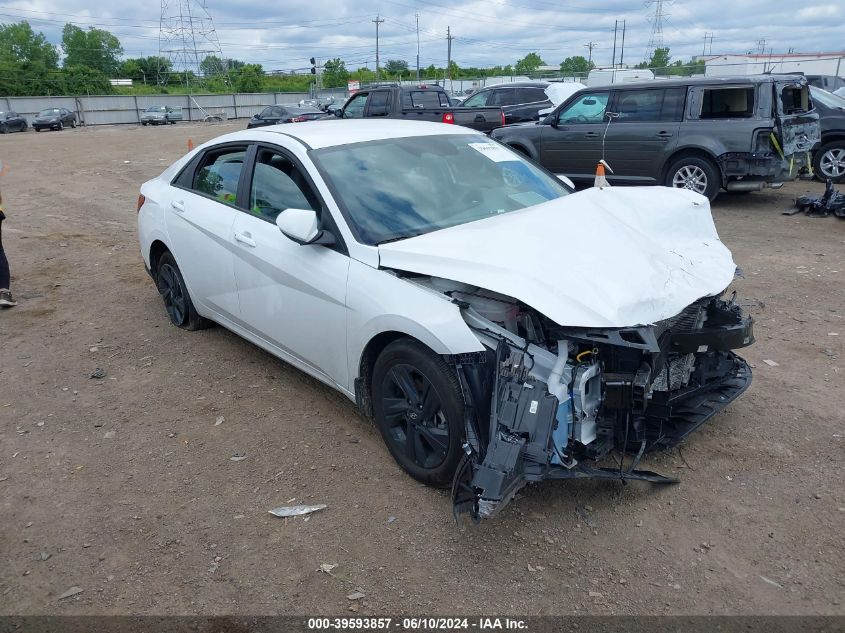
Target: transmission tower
656,40
186,37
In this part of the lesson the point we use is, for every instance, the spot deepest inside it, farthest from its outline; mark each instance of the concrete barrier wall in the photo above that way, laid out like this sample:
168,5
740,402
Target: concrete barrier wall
117,109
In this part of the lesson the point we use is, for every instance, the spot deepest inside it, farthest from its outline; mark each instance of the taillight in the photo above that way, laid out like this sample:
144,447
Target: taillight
298,119
448,117
141,201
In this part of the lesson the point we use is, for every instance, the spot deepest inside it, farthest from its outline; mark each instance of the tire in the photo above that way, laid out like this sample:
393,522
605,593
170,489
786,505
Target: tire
37,129
3,129
694,173
177,302
829,162
419,411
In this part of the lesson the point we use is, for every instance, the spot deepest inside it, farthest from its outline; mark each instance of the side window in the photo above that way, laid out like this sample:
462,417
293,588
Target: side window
640,105
379,104
531,95
502,97
478,100
218,173
588,108
727,103
355,107
277,184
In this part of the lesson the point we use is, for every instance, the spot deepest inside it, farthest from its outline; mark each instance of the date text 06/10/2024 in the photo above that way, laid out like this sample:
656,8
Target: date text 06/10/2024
416,624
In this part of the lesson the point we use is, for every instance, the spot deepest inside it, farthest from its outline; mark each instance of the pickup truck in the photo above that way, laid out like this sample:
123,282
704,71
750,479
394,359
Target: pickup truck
418,103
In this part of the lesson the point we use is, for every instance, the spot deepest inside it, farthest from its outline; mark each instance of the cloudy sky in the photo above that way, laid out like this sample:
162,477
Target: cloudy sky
283,35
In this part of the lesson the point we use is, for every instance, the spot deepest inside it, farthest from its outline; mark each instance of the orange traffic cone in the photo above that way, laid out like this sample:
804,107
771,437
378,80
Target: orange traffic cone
190,145
601,181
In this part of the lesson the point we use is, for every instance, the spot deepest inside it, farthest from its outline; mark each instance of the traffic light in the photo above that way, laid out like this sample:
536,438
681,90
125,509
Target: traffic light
313,66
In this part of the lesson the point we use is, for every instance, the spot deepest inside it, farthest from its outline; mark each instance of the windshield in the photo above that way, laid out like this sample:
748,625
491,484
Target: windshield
49,112
155,109
396,188
827,98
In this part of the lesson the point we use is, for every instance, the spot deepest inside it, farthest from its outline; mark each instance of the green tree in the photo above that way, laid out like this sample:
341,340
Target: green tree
659,59
146,69
577,65
80,80
19,44
529,64
454,70
94,48
250,78
396,67
335,74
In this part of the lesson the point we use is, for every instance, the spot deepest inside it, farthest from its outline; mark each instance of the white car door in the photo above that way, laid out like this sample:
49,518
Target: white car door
292,296
199,224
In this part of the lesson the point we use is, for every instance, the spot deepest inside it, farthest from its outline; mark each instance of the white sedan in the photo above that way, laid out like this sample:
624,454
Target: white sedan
499,328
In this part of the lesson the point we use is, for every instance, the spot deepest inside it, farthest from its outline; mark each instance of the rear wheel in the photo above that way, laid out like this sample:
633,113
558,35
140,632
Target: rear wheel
419,410
696,174
3,129
174,292
829,162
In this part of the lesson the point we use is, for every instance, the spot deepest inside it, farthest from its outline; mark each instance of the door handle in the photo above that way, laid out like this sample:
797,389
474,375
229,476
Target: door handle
592,135
178,205
245,238
664,134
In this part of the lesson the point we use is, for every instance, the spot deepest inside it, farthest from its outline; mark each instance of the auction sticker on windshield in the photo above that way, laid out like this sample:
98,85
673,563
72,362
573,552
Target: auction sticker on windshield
494,152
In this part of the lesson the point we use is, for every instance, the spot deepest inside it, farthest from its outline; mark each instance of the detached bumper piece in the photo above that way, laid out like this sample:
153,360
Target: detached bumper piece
533,416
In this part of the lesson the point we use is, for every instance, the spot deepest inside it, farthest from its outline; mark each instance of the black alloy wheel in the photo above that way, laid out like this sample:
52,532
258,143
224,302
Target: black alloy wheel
177,302
419,410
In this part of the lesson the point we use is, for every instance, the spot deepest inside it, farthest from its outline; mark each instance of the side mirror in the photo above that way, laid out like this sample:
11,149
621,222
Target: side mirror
300,225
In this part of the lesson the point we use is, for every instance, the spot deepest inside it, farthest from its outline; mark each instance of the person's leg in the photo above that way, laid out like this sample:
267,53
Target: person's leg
6,300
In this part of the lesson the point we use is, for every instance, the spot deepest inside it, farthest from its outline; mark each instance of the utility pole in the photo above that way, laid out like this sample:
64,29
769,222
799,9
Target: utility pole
615,26
417,16
707,37
622,51
449,39
377,21
590,46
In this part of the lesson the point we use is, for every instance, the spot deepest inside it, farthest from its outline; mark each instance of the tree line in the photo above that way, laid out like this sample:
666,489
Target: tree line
30,65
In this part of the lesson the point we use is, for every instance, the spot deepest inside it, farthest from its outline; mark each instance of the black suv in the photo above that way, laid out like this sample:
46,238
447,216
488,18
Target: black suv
520,101
829,156
703,134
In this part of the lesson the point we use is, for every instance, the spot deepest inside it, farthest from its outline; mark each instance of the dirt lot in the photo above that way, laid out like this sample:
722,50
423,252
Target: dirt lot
124,486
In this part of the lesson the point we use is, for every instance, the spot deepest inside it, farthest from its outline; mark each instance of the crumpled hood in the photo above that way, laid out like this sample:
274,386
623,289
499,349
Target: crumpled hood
613,257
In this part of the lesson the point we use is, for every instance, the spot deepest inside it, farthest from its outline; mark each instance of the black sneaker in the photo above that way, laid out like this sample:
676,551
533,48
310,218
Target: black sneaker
6,300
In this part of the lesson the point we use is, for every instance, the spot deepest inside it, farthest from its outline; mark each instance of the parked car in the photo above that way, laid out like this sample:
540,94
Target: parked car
12,122
829,155
704,134
520,101
418,103
273,115
421,270
161,115
54,119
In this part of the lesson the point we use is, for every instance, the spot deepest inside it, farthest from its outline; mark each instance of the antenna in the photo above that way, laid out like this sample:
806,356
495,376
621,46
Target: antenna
186,37
656,40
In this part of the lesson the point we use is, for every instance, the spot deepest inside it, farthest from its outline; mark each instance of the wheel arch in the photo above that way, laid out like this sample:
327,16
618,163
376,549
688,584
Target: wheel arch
691,152
157,249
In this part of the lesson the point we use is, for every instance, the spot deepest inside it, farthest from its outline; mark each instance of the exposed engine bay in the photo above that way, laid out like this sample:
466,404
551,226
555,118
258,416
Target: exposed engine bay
547,402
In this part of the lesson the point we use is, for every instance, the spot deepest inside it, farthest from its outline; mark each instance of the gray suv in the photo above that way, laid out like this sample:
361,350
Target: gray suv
704,134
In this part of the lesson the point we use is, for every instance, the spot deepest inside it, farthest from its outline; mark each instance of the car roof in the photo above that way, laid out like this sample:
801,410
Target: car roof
320,134
518,84
699,81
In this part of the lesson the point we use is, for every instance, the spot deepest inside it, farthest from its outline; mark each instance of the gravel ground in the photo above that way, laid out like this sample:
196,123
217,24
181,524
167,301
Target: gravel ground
123,486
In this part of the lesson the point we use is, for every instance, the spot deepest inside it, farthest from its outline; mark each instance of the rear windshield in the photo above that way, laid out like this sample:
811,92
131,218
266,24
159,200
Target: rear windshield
727,103
425,99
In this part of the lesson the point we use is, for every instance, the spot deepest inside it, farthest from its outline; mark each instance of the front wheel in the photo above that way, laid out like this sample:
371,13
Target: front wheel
829,162
174,292
696,174
419,411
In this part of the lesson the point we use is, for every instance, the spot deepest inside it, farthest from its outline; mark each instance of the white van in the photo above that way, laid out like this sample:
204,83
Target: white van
607,76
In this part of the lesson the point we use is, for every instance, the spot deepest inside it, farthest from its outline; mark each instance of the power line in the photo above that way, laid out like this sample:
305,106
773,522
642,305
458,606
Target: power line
377,21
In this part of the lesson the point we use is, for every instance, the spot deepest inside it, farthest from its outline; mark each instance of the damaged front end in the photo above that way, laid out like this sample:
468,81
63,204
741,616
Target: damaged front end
548,402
